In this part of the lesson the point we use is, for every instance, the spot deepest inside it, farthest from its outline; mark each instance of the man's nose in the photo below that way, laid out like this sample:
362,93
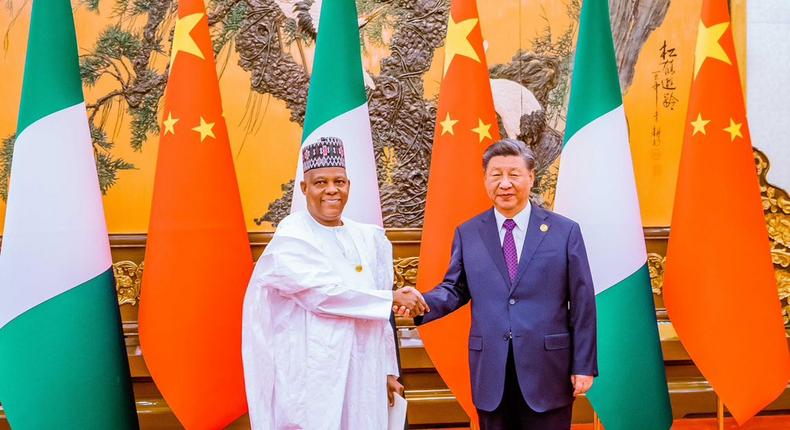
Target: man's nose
331,189
505,183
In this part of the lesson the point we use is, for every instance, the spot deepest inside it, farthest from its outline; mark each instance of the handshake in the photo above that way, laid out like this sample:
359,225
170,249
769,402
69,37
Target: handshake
408,302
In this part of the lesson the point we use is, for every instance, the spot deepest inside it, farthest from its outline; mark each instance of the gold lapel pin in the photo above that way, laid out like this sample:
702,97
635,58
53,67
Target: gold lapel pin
544,228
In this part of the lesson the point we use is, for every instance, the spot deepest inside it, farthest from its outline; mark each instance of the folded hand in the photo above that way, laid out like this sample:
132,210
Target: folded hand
393,386
581,384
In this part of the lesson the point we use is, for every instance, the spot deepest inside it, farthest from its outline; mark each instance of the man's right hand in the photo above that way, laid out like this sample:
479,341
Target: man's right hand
407,301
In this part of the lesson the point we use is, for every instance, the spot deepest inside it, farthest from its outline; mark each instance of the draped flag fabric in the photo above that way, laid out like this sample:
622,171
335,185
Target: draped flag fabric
725,310
466,125
337,106
596,188
62,355
198,259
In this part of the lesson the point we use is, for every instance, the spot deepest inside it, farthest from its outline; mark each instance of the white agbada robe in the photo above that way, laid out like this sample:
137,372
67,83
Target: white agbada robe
317,343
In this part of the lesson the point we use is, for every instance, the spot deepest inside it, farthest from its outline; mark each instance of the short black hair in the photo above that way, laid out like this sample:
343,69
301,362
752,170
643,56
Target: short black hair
509,147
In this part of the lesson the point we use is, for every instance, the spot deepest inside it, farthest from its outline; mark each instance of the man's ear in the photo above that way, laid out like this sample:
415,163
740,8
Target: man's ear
303,186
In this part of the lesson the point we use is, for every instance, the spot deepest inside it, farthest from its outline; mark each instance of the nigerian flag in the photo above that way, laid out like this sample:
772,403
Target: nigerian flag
596,188
337,107
62,355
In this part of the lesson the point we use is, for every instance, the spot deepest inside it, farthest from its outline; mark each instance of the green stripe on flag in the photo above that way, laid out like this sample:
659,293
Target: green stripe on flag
52,73
595,86
629,389
72,339
336,85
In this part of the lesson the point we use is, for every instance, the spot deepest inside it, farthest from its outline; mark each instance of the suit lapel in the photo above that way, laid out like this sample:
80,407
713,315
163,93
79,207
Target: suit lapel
490,236
531,242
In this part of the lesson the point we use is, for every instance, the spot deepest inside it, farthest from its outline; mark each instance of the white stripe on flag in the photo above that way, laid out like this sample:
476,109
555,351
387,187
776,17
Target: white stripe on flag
55,232
596,189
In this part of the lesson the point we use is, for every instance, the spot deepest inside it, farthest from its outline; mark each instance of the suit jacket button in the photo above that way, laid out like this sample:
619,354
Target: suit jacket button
512,301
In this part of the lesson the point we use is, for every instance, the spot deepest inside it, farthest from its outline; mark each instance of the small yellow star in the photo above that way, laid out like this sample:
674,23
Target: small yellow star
457,41
447,125
734,129
170,123
708,45
699,124
206,129
482,130
182,41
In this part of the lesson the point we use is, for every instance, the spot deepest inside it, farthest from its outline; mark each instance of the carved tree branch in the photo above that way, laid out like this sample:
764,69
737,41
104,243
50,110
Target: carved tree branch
632,22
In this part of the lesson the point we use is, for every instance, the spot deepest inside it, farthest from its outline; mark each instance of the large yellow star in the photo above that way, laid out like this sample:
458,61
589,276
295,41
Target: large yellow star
482,130
457,41
708,45
182,41
734,129
447,125
206,129
170,123
699,124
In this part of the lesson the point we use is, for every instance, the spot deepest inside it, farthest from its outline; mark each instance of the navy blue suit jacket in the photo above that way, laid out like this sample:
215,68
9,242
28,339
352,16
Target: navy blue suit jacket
548,312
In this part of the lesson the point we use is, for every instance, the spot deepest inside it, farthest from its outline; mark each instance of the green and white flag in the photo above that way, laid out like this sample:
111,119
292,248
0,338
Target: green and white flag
596,188
337,107
62,355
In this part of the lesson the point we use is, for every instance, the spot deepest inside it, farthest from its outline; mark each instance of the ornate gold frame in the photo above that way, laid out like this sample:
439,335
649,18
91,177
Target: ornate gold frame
776,205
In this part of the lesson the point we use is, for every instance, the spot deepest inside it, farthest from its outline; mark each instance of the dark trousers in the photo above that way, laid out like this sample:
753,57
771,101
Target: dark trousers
515,414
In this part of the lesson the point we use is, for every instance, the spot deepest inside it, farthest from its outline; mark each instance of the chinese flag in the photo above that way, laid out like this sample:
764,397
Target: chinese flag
466,125
720,289
198,259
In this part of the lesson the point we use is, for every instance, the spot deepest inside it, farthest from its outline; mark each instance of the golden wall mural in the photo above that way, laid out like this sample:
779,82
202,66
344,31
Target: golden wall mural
264,55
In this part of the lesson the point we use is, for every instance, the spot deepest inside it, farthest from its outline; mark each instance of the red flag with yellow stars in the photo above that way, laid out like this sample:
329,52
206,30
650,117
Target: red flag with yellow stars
466,125
719,285
198,259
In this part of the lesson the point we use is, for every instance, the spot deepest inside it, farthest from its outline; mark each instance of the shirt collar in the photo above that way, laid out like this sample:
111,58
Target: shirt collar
521,218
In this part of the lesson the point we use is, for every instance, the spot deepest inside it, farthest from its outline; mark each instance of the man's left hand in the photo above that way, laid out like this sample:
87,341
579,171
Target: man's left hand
581,384
393,386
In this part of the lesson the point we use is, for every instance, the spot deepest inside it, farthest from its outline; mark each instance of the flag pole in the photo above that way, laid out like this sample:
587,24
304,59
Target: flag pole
719,413
596,421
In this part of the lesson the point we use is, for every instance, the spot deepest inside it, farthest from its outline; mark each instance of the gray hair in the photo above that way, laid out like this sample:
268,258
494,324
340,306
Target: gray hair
507,148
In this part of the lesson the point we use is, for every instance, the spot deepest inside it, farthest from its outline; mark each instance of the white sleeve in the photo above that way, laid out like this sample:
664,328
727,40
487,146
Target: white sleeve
294,269
385,279
391,359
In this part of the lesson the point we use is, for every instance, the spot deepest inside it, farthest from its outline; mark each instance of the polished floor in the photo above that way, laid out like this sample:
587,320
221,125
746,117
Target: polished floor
757,423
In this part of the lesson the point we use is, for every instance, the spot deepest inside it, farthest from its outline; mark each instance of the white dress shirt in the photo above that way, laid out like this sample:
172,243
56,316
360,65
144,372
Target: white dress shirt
341,238
519,232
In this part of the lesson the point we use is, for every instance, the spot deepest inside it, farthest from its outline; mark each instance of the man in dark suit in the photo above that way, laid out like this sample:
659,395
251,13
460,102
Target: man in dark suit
532,344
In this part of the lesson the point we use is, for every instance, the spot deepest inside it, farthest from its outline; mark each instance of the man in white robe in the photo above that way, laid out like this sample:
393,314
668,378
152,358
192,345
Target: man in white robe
318,347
